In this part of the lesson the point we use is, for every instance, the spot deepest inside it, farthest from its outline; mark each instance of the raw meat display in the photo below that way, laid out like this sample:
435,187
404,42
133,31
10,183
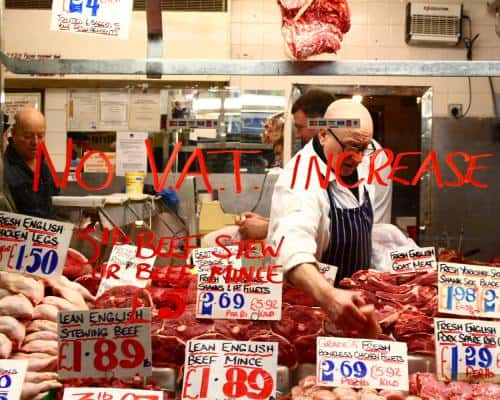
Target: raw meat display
428,387
312,27
28,325
307,389
18,283
123,297
17,306
76,264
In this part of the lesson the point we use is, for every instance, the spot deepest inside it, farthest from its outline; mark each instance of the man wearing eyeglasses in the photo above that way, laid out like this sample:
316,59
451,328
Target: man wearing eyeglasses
19,166
330,225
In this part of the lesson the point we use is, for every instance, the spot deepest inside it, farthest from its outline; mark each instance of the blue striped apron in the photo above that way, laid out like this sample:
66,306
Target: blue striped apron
350,237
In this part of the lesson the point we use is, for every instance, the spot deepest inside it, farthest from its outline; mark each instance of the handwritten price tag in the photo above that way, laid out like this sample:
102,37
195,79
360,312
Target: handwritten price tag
32,245
467,350
361,363
419,259
12,374
471,290
104,343
123,260
223,370
87,393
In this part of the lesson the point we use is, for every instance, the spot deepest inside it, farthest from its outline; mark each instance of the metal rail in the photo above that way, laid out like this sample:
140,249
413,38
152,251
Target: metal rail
251,67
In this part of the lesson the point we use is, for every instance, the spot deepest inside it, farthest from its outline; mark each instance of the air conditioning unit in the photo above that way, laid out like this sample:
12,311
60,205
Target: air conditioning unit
433,24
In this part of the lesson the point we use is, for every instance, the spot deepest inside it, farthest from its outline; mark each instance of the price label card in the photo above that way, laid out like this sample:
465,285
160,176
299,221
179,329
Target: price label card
89,393
471,290
378,364
226,292
104,343
12,374
329,272
124,262
467,350
315,123
31,245
220,370
414,259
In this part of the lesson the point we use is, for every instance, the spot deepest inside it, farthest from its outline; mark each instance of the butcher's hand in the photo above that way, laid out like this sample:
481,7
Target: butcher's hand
343,309
252,226
341,306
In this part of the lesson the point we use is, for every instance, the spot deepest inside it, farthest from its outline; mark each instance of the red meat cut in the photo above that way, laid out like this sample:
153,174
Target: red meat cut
319,29
123,297
76,264
90,281
287,355
297,321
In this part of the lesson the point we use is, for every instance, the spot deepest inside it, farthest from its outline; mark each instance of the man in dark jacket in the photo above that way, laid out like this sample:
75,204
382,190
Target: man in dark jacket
19,166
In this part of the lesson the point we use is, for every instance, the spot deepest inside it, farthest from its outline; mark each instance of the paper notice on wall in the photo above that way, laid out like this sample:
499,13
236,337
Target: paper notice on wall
109,19
113,110
15,102
145,111
130,152
96,163
83,110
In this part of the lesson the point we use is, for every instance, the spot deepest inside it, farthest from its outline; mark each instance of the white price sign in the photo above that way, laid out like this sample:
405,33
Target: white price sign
104,343
88,393
123,261
414,259
467,350
32,245
12,374
226,292
378,364
103,18
228,369
471,290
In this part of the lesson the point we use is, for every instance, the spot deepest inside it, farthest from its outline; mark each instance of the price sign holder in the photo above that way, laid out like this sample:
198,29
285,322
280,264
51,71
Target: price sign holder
12,374
32,245
221,369
467,350
89,393
359,363
471,290
228,292
411,259
104,343
124,258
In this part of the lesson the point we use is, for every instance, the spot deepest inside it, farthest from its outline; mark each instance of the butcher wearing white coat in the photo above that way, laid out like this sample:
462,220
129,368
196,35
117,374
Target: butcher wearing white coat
330,225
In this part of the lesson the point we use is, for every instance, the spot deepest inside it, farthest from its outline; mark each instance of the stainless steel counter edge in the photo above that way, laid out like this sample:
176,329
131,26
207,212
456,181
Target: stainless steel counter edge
251,67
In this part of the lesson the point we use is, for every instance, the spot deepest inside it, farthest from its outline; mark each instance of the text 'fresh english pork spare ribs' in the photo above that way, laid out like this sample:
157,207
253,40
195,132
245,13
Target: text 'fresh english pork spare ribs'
312,27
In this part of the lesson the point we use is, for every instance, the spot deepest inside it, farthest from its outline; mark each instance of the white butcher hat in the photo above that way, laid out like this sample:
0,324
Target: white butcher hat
350,109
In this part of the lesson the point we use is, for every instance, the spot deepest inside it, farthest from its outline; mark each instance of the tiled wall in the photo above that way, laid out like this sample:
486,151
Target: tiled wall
252,31
377,33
